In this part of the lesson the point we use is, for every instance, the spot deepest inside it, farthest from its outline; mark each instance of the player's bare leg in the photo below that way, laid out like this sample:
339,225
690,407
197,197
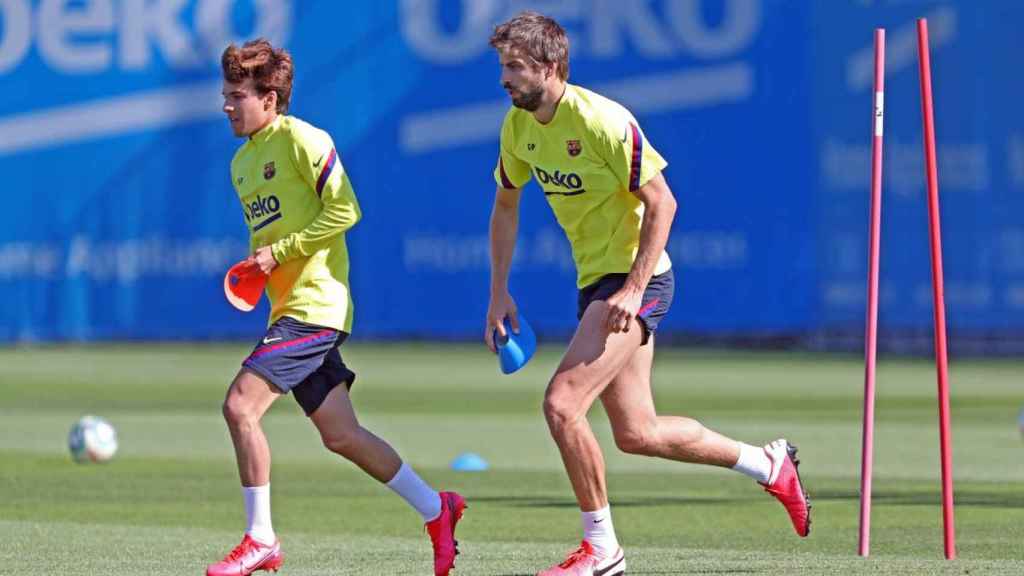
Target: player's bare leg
589,365
638,429
247,400
342,434
593,359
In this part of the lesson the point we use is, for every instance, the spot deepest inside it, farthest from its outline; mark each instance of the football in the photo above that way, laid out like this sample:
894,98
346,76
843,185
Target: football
92,439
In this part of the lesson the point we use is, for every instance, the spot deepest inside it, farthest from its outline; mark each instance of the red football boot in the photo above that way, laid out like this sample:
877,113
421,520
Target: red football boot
248,557
442,532
584,561
784,483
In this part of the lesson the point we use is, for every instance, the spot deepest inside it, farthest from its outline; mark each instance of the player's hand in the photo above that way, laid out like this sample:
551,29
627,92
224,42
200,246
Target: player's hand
264,258
622,307
501,306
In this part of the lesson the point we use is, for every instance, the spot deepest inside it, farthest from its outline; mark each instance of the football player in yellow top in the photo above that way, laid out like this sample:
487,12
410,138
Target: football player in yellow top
298,204
604,182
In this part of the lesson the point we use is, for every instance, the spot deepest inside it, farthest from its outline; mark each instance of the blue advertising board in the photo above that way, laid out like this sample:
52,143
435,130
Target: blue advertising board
979,164
120,220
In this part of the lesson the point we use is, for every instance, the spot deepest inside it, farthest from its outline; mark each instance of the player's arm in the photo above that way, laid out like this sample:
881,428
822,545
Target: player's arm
319,165
659,211
503,230
510,174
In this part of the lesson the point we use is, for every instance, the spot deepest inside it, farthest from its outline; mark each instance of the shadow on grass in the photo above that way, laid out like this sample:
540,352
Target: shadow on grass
973,498
653,502
711,571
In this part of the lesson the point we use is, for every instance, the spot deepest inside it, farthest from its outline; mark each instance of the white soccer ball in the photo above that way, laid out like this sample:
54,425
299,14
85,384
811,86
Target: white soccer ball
92,439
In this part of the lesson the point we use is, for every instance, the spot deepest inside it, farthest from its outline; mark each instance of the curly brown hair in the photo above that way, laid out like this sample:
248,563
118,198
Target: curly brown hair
270,68
536,36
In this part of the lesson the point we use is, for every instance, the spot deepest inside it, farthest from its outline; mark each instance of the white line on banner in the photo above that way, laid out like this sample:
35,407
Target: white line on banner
110,116
649,94
901,49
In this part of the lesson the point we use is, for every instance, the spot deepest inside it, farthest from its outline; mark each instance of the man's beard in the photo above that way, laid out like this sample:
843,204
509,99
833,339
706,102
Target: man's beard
529,100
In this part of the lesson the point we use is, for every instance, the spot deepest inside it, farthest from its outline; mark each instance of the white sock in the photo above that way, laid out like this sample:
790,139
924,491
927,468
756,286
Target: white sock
257,512
754,463
598,530
416,492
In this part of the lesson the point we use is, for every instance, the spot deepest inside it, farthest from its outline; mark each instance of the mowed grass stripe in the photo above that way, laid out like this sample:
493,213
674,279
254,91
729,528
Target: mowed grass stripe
174,485
520,442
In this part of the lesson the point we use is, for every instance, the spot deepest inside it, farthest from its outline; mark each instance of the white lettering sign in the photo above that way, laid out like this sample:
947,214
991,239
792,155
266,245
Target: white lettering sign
58,27
95,36
17,25
598,28
963,167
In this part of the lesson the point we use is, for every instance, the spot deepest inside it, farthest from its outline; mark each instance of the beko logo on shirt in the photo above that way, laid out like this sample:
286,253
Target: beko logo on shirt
569,180
268,208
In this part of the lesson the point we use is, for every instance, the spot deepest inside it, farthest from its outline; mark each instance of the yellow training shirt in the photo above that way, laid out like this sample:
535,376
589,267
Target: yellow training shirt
589,160
297,199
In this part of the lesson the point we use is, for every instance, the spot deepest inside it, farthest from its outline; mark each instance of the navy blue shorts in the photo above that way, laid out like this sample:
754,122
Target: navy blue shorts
655,303
301,358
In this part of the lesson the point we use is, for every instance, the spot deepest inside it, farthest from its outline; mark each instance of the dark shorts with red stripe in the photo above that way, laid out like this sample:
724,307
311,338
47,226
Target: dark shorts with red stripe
655,303
301,358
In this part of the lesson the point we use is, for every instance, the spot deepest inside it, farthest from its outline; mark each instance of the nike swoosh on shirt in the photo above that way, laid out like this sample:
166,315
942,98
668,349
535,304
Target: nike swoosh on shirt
317,163
625,134
271,340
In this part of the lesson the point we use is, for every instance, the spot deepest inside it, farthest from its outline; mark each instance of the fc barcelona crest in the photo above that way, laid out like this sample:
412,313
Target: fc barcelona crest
269,171
573,147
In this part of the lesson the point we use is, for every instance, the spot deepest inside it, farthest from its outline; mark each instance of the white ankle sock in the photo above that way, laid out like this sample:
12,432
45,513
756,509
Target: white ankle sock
416,492
598,530
257,513
754,463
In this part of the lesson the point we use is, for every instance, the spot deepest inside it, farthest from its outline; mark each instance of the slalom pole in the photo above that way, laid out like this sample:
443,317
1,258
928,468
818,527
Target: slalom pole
871,328
941,364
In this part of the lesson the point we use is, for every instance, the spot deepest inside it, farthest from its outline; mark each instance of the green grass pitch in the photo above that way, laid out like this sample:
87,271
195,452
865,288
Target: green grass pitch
169,503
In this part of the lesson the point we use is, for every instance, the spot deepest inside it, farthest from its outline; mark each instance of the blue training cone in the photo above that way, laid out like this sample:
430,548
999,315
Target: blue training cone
517,349
469,462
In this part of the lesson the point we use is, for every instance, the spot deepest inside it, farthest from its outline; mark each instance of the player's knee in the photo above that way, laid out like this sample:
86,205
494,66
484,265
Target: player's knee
560,409
236,413
343,442
634,441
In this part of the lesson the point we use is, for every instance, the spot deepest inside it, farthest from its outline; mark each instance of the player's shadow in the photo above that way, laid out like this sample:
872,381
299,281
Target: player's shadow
631,571
652,502
973,498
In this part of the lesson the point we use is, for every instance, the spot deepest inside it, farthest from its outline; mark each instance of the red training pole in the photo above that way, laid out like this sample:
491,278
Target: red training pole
949,531
871,328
